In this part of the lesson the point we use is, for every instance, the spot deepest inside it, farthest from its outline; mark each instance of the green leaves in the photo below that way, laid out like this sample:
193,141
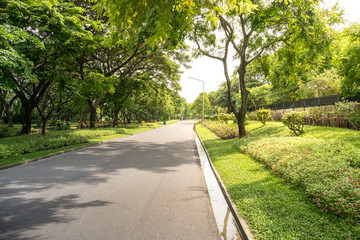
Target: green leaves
350,63
149,21
263,115
295,121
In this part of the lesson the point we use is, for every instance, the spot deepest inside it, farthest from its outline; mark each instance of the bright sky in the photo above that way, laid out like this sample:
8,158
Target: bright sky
211,71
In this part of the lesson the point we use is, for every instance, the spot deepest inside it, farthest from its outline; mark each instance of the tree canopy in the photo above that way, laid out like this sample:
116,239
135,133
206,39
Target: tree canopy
120,60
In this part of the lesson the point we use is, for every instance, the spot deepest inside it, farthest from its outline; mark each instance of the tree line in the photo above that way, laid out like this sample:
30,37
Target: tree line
60,60
82,60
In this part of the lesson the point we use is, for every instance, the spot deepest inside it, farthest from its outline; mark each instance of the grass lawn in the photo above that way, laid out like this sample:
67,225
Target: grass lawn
289,187
28,147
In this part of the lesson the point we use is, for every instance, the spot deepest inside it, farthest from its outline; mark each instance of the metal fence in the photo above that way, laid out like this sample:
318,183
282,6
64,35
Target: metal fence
310,102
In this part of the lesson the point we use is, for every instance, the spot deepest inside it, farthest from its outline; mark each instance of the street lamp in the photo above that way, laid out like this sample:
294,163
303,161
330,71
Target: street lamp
203,97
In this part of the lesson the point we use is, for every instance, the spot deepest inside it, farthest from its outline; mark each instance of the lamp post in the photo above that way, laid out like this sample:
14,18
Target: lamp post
203,97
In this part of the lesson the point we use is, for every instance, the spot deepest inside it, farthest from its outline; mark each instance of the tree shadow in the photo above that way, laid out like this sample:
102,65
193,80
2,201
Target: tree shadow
23,214
25,191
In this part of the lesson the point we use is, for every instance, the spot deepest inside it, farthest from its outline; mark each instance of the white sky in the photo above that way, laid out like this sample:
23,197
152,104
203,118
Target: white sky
211,71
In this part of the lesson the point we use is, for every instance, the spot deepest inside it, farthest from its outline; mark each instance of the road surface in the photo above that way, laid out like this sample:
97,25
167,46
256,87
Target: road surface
146,186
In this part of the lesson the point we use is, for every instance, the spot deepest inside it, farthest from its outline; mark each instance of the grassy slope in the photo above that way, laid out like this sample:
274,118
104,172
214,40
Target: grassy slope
272,208
31,156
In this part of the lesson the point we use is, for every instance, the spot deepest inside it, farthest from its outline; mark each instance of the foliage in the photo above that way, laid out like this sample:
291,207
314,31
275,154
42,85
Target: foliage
36,39
197,105
280,210
223,116
263,115
321,85
350,68
295,121
59,125
223,131
254,29
260,96
150,22
350,111
6,131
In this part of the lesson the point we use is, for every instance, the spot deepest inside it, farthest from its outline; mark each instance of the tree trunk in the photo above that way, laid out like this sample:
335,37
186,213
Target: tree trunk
40,121
93,106
26,112
116,117
43,127
2,103
9,116
244,94
124,118
92,116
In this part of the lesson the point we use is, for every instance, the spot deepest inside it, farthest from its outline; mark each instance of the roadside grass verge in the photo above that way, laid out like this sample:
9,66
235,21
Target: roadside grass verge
28,147
274,208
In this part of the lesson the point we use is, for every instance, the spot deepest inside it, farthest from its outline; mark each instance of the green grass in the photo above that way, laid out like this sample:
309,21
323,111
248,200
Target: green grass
274,208
28,147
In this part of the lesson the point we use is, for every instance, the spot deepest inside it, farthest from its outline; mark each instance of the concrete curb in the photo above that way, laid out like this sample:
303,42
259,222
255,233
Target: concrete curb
243,227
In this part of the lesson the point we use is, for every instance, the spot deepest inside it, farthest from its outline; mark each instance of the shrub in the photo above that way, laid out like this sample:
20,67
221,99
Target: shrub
224,117
223,131
295,121
6,131
59,125
251,116
263,115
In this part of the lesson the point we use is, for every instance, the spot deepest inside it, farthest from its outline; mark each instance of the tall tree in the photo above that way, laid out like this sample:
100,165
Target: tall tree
34,36
253,28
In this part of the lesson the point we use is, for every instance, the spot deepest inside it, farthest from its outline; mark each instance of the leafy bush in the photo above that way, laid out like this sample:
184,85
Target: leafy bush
263,115
6,131
251,116
224,117
295,121
59,125
327,170
223,131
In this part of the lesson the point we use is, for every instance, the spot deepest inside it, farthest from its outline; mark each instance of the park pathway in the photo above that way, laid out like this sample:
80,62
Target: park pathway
146,186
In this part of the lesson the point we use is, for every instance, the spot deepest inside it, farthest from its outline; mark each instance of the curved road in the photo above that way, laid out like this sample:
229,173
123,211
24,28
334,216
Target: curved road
146,186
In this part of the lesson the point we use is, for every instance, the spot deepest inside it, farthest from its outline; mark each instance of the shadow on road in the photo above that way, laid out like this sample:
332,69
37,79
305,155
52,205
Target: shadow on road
20,212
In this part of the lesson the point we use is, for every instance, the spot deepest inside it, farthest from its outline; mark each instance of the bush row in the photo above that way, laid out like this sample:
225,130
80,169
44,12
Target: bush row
35,142
328,171
343,114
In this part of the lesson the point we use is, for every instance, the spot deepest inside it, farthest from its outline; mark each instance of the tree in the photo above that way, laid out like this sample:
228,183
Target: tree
350,67
324,84
197,105
254,28
34,37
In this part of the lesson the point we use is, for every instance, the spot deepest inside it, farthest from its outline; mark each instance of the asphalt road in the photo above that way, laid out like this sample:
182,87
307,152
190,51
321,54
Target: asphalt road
145,186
